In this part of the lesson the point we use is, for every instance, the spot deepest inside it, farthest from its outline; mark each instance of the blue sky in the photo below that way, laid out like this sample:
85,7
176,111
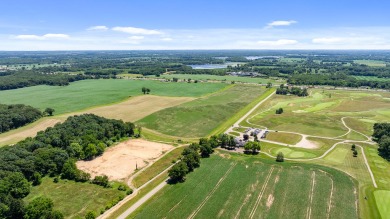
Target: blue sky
200,24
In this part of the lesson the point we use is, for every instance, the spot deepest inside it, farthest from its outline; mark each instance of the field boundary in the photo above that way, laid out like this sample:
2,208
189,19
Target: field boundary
242,113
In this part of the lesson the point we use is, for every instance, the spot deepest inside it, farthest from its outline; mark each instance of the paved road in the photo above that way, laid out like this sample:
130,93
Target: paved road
142,200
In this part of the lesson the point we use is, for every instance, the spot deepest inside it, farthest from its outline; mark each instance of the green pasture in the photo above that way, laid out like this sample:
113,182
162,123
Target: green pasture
75,200
244,187
89,93
371,63
201,116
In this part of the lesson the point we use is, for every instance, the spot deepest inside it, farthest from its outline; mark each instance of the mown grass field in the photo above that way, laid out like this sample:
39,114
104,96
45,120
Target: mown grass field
225,78
371,78
244,187
89,93
371,63
320,113
73,199
200,117
286,138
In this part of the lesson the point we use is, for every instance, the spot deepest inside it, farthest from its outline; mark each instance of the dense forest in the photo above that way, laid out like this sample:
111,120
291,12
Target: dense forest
53,152
17,115
382,136
24,78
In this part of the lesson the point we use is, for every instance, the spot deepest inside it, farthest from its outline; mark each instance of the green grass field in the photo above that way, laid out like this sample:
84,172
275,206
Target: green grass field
371,63
383,199
371,78
200,117
225,78
247,187
84,94
286,138
73,199
320,113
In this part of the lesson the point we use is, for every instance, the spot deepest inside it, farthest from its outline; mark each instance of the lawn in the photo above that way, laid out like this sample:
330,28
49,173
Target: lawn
89,93
225,78
286,138
246,187
320,113
73,199
200,117
382,198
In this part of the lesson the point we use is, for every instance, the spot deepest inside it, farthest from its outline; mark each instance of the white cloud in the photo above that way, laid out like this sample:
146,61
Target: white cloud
28,37
281,42
135,30
166,39
43,37
281,23
328,40
136,37
103,28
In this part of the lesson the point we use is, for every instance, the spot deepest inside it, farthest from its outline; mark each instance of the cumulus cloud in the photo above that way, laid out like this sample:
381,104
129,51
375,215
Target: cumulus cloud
281,23
103,28
136,37
43,37
281,42
328,40
166,39
135,30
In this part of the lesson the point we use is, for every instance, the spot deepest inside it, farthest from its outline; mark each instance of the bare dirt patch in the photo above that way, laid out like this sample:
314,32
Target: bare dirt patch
304,143
137,107
270,201
119,161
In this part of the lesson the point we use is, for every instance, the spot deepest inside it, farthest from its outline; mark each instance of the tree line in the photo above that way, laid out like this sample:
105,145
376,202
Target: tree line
20,79
17,115
284,90
53,152
382,136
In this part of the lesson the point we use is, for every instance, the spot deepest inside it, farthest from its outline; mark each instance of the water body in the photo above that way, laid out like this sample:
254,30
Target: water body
260,57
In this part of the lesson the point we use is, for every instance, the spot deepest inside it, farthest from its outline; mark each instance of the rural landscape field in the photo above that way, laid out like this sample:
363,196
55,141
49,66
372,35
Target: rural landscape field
194,109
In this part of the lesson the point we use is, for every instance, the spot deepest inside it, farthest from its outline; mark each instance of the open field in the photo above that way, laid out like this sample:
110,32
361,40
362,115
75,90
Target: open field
225,78
89,93
371,63
199,117
120,161
137,107
129,110
321,113
286,138
257,188
371,78
74,199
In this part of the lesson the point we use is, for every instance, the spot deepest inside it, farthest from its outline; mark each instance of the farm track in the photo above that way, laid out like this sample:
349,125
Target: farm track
252,214
212,192
313,182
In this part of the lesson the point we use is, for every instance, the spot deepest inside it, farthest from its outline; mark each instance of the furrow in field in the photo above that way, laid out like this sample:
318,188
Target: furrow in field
252,214
308,211
212,192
